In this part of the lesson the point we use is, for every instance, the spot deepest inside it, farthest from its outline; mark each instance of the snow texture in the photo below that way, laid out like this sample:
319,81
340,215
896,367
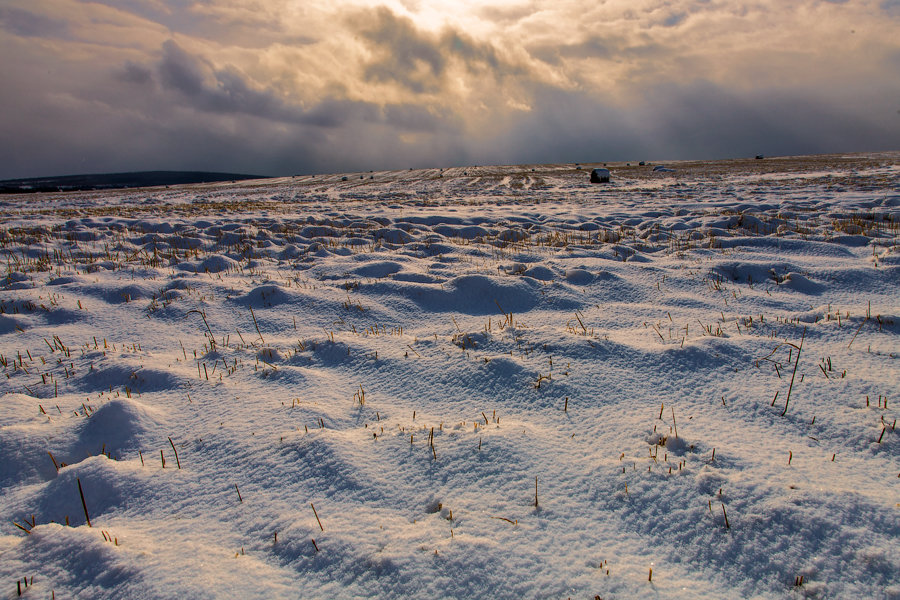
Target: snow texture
483,382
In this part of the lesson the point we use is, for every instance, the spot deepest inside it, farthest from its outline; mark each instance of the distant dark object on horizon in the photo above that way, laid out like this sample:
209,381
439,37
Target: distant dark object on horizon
662,169
600,176
759,157
109,181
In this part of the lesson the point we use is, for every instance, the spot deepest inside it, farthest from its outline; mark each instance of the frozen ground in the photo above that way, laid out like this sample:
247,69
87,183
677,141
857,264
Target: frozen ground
495,382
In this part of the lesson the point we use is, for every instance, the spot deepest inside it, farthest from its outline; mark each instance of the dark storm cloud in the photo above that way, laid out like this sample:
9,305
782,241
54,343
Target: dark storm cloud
227,91
182,71
406,55
687,120
155,134
221,90
27,24
418,59
413,117
696,119
134,73
337,112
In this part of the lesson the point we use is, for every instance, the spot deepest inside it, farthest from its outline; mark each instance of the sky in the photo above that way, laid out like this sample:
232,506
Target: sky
279,87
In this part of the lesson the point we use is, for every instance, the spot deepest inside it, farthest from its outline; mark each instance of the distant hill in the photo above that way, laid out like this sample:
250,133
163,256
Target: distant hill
107,181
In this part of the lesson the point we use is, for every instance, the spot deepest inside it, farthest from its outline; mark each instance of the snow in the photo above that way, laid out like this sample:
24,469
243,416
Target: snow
495,382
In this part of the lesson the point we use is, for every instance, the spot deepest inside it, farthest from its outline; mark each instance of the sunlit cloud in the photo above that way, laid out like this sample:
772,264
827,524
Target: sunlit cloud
276,86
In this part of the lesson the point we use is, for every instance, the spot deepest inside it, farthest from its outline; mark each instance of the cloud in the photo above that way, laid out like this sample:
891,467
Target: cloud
674,19
691,119
226,90
135,73
337,112
420,60
892,7
182,71
276,86
223,90
413,117
403,54
508,14
28,24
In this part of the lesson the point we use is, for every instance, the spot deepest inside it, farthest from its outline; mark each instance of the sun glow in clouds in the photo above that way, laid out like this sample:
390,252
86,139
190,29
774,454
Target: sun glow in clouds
281,86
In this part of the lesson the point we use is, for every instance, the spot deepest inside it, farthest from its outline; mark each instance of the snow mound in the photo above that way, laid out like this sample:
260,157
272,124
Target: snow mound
392,236
107,485
378,269
118,427
802,284
579,276
540,273
266,296
217,263
480,294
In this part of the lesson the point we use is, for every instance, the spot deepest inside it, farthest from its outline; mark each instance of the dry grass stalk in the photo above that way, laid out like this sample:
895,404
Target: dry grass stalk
857,331
178,462
796,362
28,531
255,324
317,518
55,464
83,503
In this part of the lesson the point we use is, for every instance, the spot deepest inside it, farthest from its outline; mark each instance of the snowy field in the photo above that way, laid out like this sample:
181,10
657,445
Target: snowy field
483,382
